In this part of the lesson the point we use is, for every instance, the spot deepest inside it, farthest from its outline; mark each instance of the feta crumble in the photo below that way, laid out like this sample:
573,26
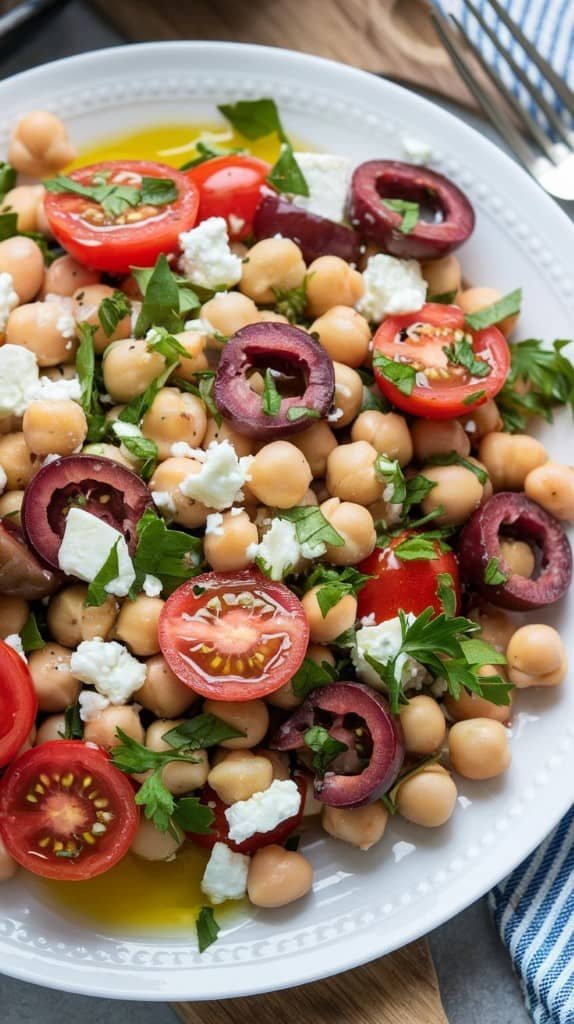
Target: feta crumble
14,640
415,150
327,176
391,286
18,377
263,811
164,502
47,390
200,326
225,876
85,547
214,524
221,477
206,258
152,585
279,551
383,642
66,325
109,667
91,705
8,299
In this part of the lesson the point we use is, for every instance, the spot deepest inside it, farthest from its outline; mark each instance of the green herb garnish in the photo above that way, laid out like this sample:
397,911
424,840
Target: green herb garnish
507,306
493,574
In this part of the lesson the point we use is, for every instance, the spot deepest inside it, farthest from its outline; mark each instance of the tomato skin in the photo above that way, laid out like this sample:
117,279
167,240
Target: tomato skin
224,654
220,829
23,823
399,584
446,401
116,248
18,703
231,187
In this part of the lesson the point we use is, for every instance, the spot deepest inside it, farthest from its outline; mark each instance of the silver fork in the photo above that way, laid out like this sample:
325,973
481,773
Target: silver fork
553,166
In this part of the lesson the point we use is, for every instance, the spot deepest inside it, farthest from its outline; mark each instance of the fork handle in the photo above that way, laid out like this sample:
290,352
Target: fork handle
24,12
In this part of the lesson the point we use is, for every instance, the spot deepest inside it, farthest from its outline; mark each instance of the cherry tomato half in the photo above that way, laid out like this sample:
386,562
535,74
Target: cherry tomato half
401,584
132,238
419,339
66,812
233,636
231,187
18,703
220,829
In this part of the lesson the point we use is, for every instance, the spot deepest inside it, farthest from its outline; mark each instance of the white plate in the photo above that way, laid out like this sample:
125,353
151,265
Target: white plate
363,905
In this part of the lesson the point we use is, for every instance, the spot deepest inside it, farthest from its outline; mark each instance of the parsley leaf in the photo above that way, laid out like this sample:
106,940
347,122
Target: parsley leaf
507,306
454,459
7,178
334,584
292,302
172,555
144,449
158,191
324,747
474,397
160,340
286,175
193,816
410,213
30,635
8,225
200,732
207,928
253,118
446,593
97,593
131,757
73,725
112,310
493,574
86,370
389,471
310,676
270,399
161,301
300,412
444,298
203,390
402,375
461,353
540,378
207,151
116,199
417,488
311,526
426,546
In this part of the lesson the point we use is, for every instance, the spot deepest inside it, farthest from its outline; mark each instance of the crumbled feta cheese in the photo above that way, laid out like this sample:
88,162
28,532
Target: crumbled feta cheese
110,667
214,524
263,811
183,450
85,547
470,426
280,552
164,502
8,299
152,585
66,325
14,640
201,326
225,877
327,176
221,477
18,378
52,457
207,259
383,642
235,512
391,286
91,705
3,479
417,151
47,390
122,429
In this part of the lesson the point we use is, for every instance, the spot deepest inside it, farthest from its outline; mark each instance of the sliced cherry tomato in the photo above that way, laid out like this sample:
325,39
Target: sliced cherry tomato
446,389
220,829
231,187
233,636
18,703
134,237
400,584
66,812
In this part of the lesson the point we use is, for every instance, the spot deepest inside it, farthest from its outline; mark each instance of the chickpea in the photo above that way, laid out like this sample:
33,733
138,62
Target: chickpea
137,625
162,692
438,437
39,145
243,445
228,312
284,697
25,201
458,491
240,775
87,301
58,427
423,725
52,728
272,264
509,458
8,866
478,748
279,762
269,316
166,480
103,728
473,299
280,475
129,368
11,505
249,717
355,525
497,627
174,416
316,443
150,843
35,327
66,276
54,683
195,343
110,451
481,421
22,258
14,612
351,474
178,776
427,798
17,461
536,657
278,877
332,282
344,334
359,826
552,486
469,705
324,629
348,396
387,432
226,548
442,276
519,556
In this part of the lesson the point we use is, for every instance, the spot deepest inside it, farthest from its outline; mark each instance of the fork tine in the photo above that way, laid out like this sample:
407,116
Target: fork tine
519,147
535,93
559,86
523,116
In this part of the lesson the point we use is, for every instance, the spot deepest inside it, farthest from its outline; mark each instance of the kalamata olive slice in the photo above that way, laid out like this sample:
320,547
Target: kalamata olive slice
377,180
289,352
21,574
359,717
316,236
522,518
107,490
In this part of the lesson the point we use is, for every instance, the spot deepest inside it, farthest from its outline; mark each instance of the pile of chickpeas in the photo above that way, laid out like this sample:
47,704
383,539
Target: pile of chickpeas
330,464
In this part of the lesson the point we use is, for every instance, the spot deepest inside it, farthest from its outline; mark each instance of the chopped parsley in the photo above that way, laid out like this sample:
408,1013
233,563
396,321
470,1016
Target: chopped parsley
207,928
257,118
325,748
402,375
115,200
493,574
509,305
270,399
461,353
410,213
